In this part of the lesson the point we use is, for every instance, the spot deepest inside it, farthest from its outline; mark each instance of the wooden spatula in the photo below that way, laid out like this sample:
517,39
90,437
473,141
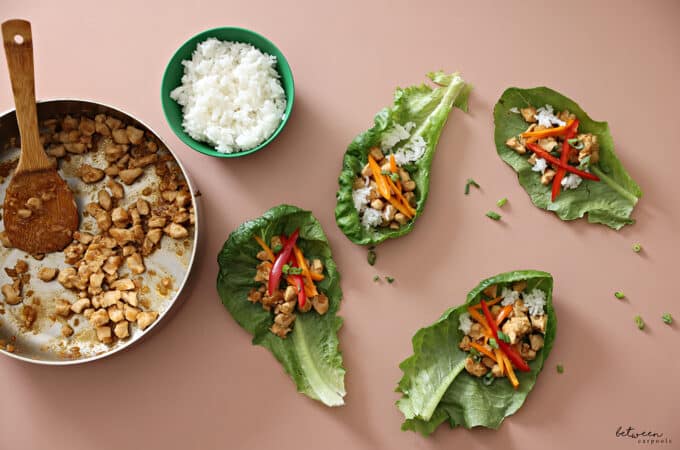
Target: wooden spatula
40,213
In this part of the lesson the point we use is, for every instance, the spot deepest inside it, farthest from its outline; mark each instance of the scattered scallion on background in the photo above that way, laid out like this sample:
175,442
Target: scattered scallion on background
389,280
493,215
637,248
619,295
639,322
667,318
492,343
560,368
371,257
503,337
376,278
468,183
501,203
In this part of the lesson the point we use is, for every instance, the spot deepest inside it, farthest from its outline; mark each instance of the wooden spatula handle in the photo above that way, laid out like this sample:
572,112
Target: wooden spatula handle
18,42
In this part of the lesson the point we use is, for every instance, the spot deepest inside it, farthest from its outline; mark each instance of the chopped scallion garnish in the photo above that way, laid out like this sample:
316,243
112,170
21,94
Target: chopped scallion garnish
468,183
493,215
492,343
639,322
619,295
637,248
667,318
389,280
500,203
503,337
371,257
560,368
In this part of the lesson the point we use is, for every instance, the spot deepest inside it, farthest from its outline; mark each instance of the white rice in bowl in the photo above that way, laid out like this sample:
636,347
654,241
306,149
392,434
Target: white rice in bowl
231,95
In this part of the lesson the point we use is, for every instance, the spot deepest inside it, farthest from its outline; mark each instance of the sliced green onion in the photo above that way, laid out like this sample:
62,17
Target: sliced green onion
385,172
277,248
492,343
394,176
637,248
578,145
371,257
500,203
468,183
560,368
639,322
493,215
667,318
488,379
619,295
389,280
503,337
376,278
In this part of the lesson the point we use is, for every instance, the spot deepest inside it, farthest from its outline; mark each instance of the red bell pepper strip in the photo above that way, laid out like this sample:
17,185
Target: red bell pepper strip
281,259
550,158
514,357
570,132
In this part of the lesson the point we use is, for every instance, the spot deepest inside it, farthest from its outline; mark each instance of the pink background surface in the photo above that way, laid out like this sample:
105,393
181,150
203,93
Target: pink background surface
198,383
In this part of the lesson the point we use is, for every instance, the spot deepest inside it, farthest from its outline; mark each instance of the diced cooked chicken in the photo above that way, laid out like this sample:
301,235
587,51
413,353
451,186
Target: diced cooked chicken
156,222
120,216
122,235
104,334
134,135
262,272
488,362
90,174
116,189
12,294
130,297
548,144
130,313
526,352
62,307
130,175
110,298
99,317
146,318
519,309
547,176
517,144
143,207
135,263
496,371
115,313
528,114
290,294
476,331
320,303
254,295
124,284
590,147
536,341
80,305
475,368
120,136
316,266
465,343
516,327
66,330
538,323
176,231
47,273
122,329
566,116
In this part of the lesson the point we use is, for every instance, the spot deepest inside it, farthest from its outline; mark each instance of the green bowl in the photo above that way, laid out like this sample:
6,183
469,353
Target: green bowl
173,78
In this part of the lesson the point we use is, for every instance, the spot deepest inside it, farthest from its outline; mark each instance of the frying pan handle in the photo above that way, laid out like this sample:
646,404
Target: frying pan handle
18,42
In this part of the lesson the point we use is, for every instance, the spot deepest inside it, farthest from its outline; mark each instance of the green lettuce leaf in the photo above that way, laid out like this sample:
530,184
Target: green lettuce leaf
609,201
435,386
423,105
309,354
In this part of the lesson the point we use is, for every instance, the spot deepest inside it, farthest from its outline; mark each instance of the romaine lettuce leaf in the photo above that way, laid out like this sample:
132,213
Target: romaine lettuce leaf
428,108
309,354
435,386
609,201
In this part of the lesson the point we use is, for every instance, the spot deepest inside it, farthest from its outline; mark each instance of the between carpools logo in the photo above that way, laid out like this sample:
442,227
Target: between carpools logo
642,436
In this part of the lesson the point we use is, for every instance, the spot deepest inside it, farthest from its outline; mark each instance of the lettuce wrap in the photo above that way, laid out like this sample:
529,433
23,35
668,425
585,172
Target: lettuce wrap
609,201
435,386
309,354
413,123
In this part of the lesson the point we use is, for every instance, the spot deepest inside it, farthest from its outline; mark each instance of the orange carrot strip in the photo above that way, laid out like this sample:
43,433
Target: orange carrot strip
400,207
505,312
482,349
511,373
383,187
316,276
479,318
393,164
557,131
265,247
500,360
401,198
490,303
